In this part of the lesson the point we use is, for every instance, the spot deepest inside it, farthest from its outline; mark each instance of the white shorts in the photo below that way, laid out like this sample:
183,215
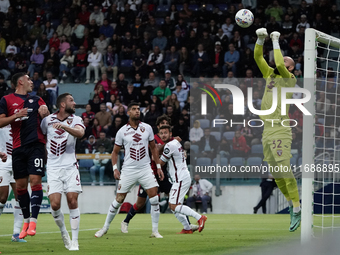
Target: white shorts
6,177
129,177
178,191
63,180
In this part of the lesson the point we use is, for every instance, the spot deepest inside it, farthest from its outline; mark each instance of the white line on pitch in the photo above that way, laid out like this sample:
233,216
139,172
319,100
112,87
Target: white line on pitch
56,232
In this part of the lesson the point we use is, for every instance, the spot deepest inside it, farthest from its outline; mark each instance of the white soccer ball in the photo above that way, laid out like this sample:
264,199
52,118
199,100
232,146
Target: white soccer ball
244,18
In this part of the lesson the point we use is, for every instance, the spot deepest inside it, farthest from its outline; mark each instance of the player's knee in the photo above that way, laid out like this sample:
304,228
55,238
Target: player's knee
73,204
154,200
120,198
55,206
3,199
35,181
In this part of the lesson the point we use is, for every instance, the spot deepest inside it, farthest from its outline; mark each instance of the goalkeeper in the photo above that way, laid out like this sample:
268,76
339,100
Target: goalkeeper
276,138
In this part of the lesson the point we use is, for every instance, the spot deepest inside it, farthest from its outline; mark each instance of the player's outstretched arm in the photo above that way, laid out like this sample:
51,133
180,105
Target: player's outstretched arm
258,52
77,131
155,154
278,58
114,159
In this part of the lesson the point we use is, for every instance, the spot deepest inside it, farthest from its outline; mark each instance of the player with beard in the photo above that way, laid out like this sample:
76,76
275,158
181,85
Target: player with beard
62,130
164,186
136,137
181,181
276,138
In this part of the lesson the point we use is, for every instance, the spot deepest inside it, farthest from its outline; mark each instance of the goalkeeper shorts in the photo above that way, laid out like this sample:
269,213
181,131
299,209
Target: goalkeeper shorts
276,148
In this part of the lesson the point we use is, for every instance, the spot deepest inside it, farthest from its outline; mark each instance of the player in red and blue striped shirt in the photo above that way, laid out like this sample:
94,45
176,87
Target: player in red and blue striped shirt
24,113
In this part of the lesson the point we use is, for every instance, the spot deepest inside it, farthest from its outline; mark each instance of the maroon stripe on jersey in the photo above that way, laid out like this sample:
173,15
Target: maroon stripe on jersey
118,145
173,162
165,156
178,192
158,139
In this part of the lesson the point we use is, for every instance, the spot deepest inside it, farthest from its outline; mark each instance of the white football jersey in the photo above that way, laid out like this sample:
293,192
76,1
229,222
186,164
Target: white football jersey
136,144
60,144
6,146
173,153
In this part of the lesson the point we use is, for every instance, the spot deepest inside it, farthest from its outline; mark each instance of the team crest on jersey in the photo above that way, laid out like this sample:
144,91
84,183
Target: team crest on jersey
30,101
279,152
142,129
1,178
69,121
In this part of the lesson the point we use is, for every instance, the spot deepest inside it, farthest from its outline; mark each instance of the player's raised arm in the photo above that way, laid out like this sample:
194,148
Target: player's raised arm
278,58
155,154
114,159
258,52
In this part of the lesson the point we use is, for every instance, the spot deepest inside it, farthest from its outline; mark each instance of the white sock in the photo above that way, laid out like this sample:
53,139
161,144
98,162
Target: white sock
290,202
186,210
111,213
183,219
155,212
18,218
74,222
59,220
1,207
296,209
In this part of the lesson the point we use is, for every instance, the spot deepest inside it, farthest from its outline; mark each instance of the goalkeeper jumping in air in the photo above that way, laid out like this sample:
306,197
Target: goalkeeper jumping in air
276,138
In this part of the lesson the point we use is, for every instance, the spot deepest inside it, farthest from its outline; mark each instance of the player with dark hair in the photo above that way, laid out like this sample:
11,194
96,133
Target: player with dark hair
136,137
24,113
277,139
62,130
181,181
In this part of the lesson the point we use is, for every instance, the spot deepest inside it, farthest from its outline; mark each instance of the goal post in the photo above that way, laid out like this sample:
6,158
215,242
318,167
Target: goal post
308,137
326,151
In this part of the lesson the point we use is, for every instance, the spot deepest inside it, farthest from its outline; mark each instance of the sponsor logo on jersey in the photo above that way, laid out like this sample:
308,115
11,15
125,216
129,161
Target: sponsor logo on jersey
279,152
129,133
136,137
15,104
142,129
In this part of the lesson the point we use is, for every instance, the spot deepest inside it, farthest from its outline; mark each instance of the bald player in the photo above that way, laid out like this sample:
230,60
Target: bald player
277,139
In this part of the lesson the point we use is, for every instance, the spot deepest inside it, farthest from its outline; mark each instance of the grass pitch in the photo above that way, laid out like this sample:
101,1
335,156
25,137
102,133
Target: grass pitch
223,234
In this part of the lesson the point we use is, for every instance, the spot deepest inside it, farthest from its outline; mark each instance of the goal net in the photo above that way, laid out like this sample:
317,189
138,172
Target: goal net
321,137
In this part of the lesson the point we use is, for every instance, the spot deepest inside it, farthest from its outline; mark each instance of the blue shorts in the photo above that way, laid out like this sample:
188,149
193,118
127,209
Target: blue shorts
28,160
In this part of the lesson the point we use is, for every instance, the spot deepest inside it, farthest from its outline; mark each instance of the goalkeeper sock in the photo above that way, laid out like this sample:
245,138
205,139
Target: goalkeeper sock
17,219
59,220
36,199
290,203
74,222
24,201
293,192
114,207
132,212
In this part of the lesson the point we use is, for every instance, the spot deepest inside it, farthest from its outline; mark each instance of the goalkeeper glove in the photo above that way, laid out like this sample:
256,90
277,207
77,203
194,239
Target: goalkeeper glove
261,35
